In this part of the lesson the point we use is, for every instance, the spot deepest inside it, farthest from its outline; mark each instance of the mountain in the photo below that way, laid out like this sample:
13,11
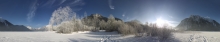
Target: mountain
198,23
7,26
4,22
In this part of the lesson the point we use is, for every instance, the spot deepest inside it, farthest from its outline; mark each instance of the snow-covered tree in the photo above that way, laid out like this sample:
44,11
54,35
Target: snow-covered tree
111,17
60,15
113,24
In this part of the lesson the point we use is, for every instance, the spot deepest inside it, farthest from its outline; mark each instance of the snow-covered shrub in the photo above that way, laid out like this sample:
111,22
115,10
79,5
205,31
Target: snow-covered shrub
93,25
161,32
72,26
126,29
112,24
92,22
103,25
65,27
94,29
153,30
137,26
165,33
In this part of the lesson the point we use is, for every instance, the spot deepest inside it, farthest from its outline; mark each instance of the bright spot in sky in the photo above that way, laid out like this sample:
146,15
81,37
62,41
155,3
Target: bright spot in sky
161,22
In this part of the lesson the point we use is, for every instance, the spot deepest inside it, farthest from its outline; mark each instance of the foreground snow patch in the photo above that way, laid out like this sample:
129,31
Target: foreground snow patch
30,36
198,36
86,36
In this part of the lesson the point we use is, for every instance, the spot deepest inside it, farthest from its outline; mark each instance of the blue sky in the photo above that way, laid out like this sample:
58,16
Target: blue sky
36,13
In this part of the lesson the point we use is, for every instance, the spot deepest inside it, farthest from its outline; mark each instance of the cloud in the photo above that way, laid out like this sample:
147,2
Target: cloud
49,3
38,24
71,3
85,14
61,2
123,15
110,4
170,16
173,23
32,10
207,17
76,1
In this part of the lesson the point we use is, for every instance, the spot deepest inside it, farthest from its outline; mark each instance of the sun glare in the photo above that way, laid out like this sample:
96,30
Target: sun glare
160,22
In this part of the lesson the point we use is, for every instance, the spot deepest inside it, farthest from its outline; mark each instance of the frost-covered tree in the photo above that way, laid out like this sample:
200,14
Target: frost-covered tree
64,20
136,24
111,17
65,27
102,25
60,15
113,24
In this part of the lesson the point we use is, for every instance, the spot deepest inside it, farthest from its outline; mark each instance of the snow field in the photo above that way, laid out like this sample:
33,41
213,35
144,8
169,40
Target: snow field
86,36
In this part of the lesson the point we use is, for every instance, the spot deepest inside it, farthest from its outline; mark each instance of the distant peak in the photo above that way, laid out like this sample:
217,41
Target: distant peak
95,15
195,16
2,20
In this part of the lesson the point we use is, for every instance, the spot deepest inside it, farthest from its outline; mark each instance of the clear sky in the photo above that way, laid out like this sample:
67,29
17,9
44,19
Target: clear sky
36,13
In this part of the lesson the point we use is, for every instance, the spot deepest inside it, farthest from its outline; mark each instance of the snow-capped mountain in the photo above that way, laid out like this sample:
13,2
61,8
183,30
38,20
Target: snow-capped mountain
29,27
7,26
39,29
4,23
196,22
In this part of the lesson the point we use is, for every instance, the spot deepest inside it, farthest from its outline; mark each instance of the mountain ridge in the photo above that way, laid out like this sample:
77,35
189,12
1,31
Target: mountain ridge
198,23
7,26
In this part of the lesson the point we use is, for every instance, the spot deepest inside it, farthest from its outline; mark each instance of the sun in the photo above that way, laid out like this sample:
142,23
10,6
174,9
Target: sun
160,22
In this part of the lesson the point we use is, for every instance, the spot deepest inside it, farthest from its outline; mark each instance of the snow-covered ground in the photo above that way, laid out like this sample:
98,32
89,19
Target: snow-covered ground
198,36
40,36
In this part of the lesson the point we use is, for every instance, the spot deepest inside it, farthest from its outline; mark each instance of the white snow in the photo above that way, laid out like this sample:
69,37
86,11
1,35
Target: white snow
29,27
198,36
86,36
40,36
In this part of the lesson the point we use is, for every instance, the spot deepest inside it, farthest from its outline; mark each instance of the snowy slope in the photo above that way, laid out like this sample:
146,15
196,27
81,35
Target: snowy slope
40,36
